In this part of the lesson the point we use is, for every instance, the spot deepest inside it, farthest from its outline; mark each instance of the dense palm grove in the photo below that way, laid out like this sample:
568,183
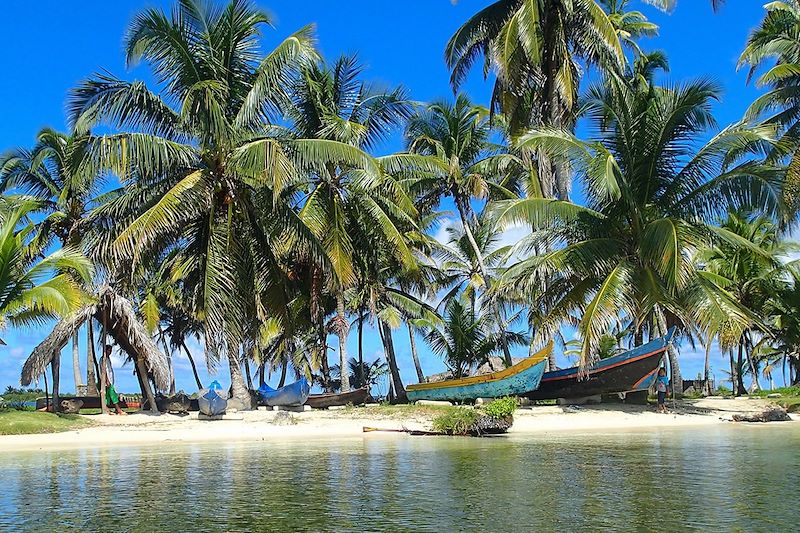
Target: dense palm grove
243,203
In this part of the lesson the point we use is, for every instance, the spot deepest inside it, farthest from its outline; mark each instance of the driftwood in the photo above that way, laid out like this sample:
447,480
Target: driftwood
484,426
770,414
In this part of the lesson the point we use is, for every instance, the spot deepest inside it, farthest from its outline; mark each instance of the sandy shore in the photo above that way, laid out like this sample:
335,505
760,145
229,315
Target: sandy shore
263,425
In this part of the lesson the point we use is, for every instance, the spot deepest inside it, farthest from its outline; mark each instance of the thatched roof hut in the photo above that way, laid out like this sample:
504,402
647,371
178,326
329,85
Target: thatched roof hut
123,326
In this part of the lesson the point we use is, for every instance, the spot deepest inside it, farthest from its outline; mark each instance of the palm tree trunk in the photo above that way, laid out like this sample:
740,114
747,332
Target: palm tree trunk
261,370
361,347
103,357
388,346
342,331
414,356
168,353
247,374
783,370
733,372
707,370
675,371
755,385
148,391
740,389
326,369
80,388
55,365
284,367
91,361
238,386
194,367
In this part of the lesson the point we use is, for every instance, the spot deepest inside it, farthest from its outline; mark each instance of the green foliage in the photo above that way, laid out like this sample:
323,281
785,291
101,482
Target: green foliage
501,408
456,421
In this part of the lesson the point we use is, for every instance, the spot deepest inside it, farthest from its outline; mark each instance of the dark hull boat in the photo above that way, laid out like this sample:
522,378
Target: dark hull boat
292,395
211,403
89,402
354,397
632,371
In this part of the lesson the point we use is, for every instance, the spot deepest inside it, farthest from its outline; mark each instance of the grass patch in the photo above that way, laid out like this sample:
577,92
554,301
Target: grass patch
455,421
26,422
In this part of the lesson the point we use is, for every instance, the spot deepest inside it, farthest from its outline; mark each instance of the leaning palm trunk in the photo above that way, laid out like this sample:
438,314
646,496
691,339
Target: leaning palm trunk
414,356
80,388
342,330
194,367
399,391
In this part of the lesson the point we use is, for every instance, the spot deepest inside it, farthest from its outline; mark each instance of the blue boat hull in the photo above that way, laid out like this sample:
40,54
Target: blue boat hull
292,395
512,381
210,403
632,371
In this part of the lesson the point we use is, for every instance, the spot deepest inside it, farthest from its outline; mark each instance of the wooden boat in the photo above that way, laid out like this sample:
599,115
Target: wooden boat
89,402
292,395
632,371
211,403
178,403
354,397
514,380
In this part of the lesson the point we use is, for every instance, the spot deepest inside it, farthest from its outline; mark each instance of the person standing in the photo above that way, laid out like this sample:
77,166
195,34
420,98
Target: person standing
661,390
112,398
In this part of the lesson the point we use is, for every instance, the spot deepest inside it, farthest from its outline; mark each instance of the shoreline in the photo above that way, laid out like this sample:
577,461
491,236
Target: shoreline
256,426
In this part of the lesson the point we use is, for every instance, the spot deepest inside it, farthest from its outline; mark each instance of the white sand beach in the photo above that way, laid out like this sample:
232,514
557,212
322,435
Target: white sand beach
143,429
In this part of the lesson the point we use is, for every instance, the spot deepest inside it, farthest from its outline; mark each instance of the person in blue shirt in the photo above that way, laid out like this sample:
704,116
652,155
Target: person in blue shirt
661,389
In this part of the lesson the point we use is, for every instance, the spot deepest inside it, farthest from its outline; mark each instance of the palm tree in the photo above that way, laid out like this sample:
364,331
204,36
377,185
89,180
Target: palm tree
345,204
652,199
466,340
35,288
213,178
747,273
773,45
537,50
783,310
58,172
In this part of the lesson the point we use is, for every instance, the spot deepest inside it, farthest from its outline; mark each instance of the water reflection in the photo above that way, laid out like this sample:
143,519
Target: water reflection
724,478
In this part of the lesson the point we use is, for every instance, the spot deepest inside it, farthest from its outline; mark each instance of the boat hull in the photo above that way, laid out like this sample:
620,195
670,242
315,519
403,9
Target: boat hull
632,371
210,403
322,401
512,381
89,402
292,395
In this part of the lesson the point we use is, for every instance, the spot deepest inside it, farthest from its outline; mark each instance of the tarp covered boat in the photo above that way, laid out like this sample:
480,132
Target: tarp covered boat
514,380
353,397
631,371
292,395
211,402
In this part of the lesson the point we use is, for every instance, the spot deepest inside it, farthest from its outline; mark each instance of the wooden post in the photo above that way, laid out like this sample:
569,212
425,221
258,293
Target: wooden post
55,365
103,357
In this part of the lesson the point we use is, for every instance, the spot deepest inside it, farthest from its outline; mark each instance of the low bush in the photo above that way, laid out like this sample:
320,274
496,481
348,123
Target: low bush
501,408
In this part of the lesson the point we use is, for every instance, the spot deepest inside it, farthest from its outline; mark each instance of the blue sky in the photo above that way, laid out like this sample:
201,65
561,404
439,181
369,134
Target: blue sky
50,45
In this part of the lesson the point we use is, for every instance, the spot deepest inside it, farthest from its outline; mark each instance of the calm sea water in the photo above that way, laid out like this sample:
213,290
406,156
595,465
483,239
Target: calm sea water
736,478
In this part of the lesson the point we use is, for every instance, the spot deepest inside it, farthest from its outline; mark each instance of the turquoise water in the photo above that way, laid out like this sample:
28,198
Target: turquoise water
731,478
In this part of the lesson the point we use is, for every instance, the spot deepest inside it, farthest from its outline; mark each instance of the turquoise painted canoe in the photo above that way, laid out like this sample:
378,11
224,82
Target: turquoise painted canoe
517,379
